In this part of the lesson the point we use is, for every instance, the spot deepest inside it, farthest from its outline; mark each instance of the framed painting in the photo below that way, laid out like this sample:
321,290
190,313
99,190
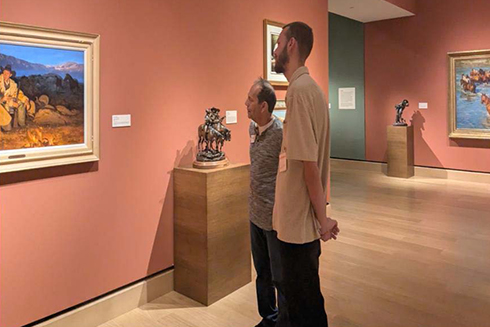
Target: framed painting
49,97
469,94
271,34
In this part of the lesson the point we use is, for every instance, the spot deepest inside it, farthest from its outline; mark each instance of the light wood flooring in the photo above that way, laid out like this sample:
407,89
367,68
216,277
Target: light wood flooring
411,252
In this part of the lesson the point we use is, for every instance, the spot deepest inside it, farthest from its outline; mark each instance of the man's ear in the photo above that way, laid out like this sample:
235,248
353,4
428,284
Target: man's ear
291,43
264,106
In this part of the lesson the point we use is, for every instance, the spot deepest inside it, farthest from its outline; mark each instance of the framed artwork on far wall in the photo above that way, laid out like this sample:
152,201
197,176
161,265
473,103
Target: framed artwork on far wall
49,97
280,104
280,109
271,34
469,94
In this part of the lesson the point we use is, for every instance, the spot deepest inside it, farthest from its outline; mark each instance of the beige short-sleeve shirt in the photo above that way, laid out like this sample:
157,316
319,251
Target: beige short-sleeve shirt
305,138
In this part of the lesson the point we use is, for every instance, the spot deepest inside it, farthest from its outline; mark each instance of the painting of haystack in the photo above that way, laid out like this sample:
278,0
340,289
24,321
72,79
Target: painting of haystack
41,97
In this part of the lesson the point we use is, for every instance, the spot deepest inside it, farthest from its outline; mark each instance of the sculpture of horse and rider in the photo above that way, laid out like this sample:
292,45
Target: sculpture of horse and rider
215,133
212,136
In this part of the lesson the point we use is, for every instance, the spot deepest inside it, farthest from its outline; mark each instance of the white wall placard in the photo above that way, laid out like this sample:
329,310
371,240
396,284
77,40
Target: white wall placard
121,120
231,117
423,105
347,98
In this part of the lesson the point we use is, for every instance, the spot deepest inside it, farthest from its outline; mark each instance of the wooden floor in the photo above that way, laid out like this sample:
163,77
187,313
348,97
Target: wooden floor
411,252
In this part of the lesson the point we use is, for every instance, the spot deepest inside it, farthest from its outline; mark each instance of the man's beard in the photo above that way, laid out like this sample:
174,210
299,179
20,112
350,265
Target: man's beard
282,60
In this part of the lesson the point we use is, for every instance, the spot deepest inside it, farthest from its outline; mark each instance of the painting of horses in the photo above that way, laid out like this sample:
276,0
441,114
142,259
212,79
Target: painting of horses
48,97
469,102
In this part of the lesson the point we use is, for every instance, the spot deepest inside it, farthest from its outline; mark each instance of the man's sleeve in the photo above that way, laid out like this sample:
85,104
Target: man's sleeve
300,139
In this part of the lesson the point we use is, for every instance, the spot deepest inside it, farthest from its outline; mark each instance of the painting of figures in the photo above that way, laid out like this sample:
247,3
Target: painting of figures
49,97
469,103
42,96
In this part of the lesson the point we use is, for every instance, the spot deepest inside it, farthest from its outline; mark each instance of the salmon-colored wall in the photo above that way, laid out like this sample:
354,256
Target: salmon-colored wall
409,5
407,58
71,234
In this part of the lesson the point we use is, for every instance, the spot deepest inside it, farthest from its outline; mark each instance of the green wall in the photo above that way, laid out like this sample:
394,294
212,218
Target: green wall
346,66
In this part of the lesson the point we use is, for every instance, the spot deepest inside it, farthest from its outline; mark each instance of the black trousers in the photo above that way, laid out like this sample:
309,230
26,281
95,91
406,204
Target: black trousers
298,280
264,252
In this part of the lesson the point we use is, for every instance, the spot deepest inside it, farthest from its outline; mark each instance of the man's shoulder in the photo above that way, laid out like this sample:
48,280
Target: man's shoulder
305,84
304,80
276,127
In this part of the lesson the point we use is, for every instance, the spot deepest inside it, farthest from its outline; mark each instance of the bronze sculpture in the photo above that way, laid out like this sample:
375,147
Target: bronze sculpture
212,136
399,111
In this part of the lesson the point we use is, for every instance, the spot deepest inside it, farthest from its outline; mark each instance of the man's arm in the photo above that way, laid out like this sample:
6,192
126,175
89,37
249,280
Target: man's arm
329,228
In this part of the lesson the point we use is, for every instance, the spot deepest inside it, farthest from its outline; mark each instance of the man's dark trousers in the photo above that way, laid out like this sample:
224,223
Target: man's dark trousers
297,279
264,253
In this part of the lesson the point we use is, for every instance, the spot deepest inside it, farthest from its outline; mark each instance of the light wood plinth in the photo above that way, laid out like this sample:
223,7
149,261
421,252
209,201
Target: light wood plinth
400,151
212,238
210,164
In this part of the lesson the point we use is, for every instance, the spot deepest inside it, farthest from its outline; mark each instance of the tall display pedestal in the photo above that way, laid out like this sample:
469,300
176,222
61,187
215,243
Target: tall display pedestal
400,151
212,232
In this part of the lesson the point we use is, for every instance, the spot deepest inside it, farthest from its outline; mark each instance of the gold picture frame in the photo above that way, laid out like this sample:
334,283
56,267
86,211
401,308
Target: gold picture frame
271,34
469,92
39,141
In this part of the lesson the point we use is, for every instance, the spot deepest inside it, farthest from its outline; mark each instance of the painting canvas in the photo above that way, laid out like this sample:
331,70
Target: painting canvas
44,98
271,34
48,97
469,102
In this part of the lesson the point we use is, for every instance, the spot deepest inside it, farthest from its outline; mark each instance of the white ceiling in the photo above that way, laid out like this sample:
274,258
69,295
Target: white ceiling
366,11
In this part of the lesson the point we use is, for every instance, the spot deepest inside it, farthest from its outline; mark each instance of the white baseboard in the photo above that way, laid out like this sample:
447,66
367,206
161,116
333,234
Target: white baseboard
426,172
107,308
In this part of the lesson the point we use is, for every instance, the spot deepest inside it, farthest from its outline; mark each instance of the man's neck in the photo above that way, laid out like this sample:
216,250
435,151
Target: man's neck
262,121
291,68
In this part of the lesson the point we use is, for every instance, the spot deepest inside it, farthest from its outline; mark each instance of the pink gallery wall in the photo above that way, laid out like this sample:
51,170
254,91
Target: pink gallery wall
69,234
407,58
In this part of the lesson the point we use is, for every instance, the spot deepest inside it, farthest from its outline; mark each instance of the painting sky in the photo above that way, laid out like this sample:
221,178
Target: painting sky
38,55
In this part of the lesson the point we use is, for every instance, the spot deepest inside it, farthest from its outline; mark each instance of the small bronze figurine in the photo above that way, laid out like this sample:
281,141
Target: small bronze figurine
212,136
399,111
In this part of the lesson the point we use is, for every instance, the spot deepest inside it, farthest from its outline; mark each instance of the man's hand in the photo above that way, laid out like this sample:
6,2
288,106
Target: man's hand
329,230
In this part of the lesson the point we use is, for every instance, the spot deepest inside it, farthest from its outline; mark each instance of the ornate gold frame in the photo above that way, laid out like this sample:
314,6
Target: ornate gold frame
454,132
24,159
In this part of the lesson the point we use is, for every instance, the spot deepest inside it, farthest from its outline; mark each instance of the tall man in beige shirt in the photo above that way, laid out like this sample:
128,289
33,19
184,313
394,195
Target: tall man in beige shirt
300,212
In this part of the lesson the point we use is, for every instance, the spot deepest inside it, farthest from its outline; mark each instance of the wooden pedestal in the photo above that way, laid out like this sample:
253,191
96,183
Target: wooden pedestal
400,151
212,234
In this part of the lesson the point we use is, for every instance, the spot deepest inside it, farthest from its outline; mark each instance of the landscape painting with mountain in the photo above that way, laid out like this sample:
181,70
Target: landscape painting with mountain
41,96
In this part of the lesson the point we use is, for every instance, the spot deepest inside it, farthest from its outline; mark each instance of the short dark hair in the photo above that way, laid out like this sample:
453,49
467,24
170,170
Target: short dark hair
266,93
303,34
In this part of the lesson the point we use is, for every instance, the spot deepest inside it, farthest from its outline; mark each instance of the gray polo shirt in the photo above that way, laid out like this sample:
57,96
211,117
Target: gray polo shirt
264,161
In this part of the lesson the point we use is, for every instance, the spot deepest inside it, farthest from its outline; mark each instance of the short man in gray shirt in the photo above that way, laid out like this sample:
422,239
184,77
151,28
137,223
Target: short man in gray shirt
265,145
